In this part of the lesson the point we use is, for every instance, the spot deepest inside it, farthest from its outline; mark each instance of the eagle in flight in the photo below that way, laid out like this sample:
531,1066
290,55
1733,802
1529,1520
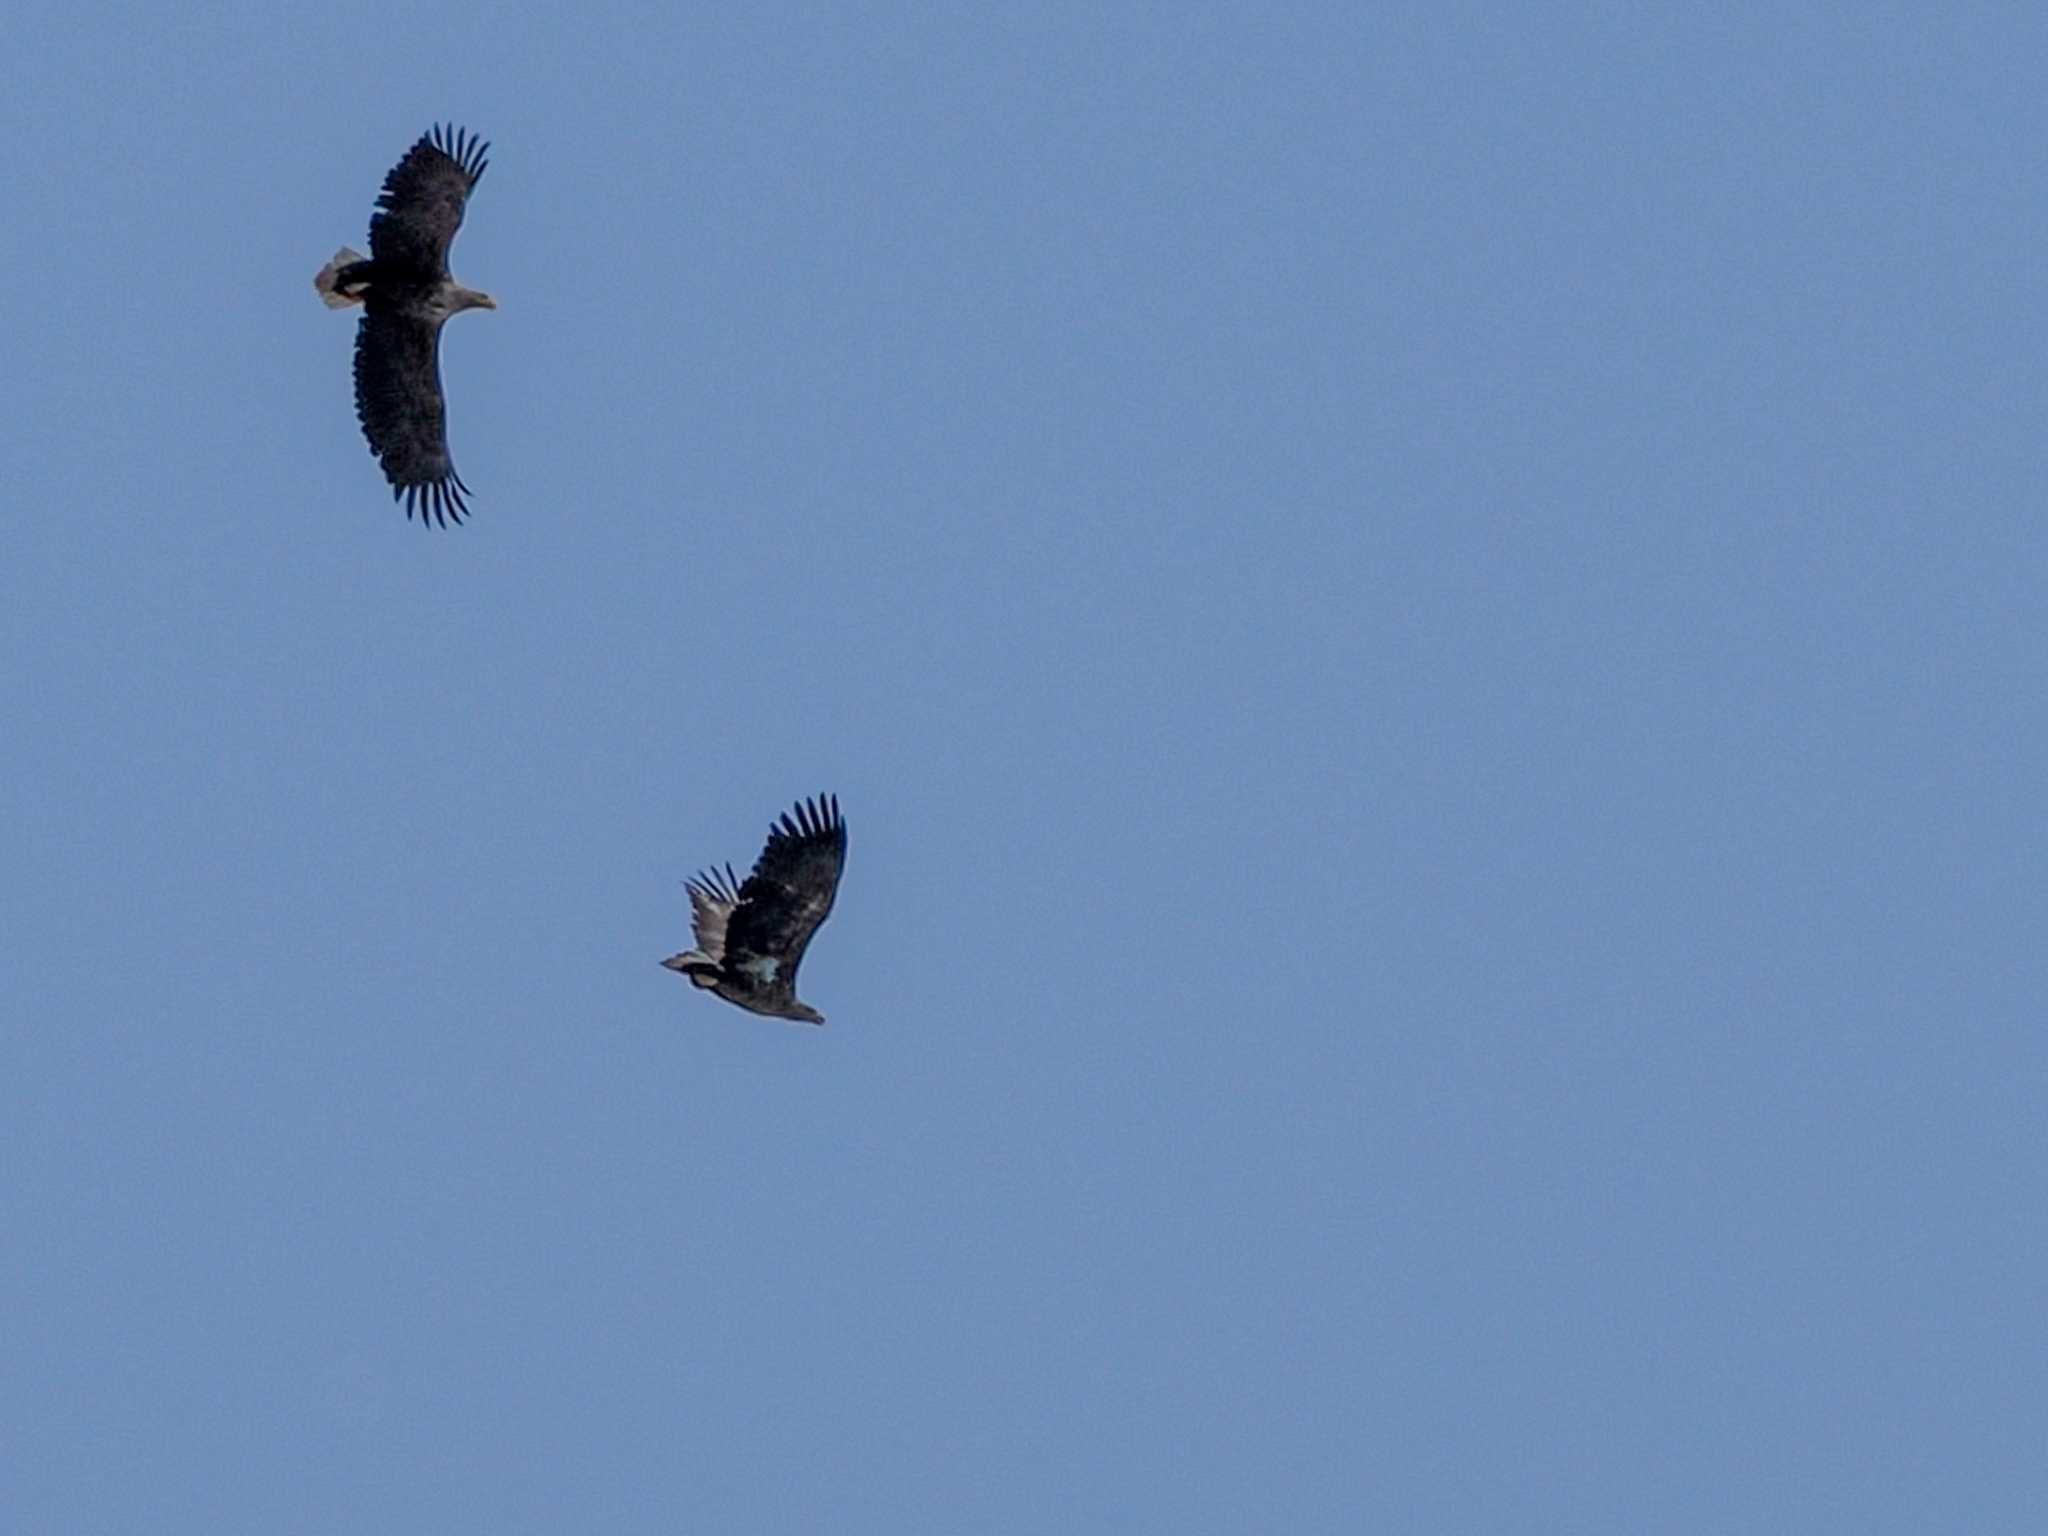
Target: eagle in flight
751,934
407,295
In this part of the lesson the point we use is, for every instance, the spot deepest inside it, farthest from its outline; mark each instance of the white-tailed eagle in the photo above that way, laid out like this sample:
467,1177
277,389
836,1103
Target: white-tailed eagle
407,295
751,934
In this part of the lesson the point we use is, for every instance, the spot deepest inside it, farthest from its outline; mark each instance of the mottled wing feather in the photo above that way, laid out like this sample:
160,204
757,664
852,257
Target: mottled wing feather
791,889
713,895
420,208
398,398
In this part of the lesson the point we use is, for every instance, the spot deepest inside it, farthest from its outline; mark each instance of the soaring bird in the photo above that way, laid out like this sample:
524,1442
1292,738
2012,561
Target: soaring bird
407,295
751,936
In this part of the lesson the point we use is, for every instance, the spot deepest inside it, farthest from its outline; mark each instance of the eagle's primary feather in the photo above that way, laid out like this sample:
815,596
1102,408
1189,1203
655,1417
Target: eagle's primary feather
407,295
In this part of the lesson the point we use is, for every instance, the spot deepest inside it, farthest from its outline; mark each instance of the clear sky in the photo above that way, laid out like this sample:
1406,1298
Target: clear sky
1430,623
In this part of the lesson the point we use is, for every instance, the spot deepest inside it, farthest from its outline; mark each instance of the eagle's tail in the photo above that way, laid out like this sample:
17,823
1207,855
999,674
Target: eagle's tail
695,964
337,287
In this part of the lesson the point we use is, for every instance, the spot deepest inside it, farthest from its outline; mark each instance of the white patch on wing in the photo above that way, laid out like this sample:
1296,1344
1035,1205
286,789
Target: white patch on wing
760,967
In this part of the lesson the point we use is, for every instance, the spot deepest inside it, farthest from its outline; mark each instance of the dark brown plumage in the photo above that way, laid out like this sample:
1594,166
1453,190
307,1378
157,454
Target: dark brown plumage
751,935
407,296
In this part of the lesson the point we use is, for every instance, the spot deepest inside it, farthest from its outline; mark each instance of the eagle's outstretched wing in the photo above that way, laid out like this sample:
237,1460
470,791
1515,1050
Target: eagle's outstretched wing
789,893
399,401
421,205
713,895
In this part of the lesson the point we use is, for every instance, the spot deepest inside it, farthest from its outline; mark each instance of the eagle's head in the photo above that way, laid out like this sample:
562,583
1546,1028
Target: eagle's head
453,299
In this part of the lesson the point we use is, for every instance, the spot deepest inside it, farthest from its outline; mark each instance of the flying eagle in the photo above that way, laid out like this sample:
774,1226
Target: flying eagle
751,936
407,295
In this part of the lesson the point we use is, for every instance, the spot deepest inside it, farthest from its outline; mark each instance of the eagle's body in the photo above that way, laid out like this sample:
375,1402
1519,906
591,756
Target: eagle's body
751,935
407,295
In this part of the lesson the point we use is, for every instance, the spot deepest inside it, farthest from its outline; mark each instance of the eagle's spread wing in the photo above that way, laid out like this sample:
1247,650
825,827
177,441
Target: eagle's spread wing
398,397
713,895
789,893
421,205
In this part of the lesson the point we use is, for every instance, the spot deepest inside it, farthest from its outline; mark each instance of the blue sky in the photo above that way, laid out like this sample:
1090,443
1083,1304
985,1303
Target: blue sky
1430,624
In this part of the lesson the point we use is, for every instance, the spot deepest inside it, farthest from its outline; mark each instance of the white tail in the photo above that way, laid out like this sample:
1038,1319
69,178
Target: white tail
324,285
696,965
